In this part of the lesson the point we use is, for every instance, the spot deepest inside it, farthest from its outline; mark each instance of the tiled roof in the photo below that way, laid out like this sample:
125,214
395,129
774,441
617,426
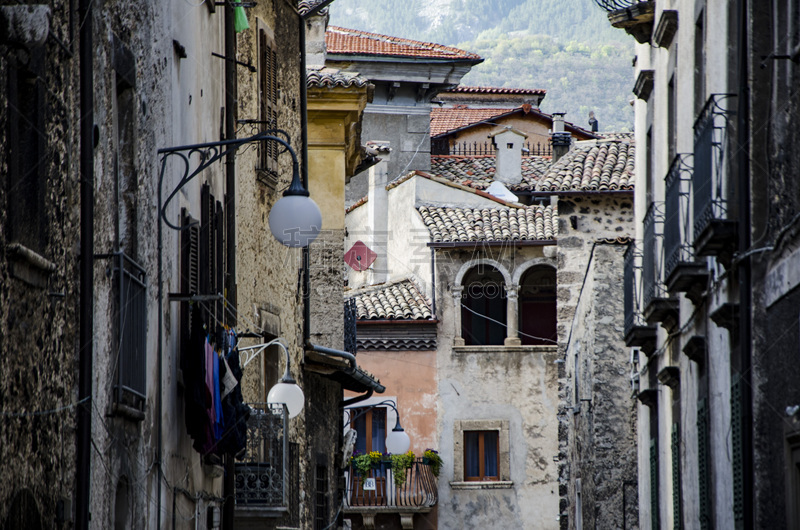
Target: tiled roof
592,166
456,225
304,6
449,119
478,171
497,90
343,41
333,77
397,301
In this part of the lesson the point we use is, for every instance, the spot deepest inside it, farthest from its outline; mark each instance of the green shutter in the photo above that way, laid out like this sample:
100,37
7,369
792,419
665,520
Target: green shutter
654,484
736,441
703,464
676,477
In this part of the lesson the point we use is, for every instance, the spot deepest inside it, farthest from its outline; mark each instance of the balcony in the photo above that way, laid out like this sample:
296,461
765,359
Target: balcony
683,273
637,332
377,496
441,146
633,16
714,233
658,306
263,475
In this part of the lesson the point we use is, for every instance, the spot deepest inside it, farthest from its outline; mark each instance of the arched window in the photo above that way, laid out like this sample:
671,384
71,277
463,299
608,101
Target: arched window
483,309
537,306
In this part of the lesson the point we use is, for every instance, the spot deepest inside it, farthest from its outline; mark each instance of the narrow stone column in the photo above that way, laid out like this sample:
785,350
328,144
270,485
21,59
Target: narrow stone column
512,336
458,340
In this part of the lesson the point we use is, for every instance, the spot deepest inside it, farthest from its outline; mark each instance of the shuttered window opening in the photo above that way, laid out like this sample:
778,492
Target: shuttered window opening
703,464
654,484
267,170
736,442
676,477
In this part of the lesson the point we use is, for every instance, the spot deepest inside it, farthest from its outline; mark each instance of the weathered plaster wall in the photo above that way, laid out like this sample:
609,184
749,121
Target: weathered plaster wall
515,384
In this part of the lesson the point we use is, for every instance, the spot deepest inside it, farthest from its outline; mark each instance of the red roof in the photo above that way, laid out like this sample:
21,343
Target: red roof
449,119
445,120
355,42
496,90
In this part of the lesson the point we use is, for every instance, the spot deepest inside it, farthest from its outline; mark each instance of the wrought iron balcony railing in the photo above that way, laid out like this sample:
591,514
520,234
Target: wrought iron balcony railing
262,476
713,233
638,333
443,147
653,254
683,271
420,489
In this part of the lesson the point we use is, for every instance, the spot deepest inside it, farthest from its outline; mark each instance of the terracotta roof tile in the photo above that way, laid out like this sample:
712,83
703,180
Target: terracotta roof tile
398,301
343,41
457,225
592,166
449,119
496,90
478,171
333,77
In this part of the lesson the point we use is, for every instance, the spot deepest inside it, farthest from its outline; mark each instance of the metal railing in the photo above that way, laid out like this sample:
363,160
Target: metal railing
487,148
420,489
653,254
350,326
633,287
131,381
710,142
615,5
262,477
677,246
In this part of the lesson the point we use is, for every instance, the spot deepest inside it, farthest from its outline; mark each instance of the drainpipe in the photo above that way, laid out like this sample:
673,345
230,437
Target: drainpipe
745,271
231,94
86,353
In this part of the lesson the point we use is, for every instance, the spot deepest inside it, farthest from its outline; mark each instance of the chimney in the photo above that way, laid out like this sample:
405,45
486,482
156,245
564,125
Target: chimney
316,50
378,212
560,139
508,150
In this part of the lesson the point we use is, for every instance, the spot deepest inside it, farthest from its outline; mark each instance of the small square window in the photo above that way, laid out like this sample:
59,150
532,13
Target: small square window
481,455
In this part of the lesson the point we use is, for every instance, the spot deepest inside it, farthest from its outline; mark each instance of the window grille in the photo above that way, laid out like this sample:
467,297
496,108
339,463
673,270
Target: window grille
131,284
350,326
321,508
261,478
267,171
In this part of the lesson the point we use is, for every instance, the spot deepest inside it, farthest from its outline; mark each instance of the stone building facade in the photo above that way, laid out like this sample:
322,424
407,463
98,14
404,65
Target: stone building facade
711,299
160,78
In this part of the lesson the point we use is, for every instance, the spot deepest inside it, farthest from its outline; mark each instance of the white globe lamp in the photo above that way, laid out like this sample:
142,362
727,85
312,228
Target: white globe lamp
295,220
288,393
397,442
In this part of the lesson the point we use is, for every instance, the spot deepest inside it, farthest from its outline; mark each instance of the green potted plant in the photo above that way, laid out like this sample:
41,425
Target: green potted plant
432,458
400,465
361,463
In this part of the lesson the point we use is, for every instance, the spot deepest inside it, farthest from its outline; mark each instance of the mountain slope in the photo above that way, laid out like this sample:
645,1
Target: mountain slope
567,48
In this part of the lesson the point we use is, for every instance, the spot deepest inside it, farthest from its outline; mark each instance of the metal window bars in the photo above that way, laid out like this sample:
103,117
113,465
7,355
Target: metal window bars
350,326
131,283
710,142
262,478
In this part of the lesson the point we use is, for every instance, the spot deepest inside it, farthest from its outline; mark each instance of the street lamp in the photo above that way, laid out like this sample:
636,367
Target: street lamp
286,391
397,441
295,220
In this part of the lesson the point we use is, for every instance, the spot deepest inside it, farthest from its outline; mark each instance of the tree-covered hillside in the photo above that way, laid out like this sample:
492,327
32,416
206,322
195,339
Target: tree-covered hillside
567,48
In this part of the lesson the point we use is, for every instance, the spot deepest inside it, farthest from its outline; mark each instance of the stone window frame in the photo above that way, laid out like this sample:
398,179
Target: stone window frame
504,460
